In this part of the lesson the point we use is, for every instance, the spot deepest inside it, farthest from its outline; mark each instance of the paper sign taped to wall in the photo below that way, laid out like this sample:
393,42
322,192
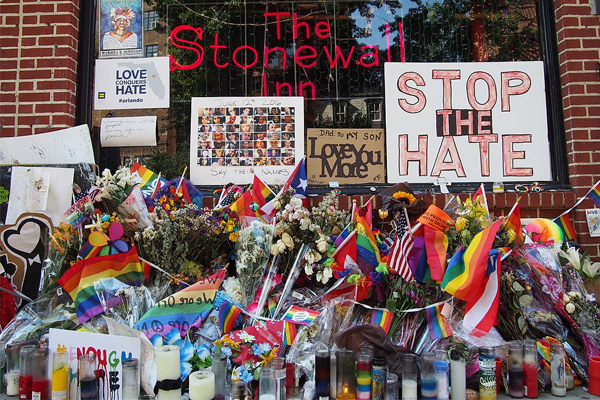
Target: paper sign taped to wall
128,131
345,156
57,195
66,146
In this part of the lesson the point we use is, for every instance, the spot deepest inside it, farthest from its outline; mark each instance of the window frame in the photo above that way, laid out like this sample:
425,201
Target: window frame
150,17
147,47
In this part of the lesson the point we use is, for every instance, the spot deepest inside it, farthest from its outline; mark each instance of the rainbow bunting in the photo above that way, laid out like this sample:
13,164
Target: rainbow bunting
594,194
436,244
79,280
290,333
467,270
437,323
228,314
149,178
299,315
185,309
564,222
382,318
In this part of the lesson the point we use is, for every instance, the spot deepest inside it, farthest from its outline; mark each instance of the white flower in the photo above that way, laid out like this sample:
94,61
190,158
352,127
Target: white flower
572,255
325,275
570,308
246,337
589,269
322,243
232,289
566,298
281,246
304,223
287,240
274,249
276,204
308,269
296,202
574,295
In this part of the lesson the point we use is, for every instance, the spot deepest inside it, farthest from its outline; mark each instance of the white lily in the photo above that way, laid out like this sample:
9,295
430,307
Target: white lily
573,256
589,269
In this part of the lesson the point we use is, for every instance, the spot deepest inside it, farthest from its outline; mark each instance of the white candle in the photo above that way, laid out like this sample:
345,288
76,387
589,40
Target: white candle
409,389
458,379
12,383
168,367
202,385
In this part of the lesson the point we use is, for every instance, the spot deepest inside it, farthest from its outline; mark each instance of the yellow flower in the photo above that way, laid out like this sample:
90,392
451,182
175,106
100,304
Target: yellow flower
512,235
405,197
226,341
461,223
269,356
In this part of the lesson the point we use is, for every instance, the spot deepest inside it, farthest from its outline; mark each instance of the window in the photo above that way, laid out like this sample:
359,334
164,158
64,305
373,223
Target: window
151,50
340,110
374,110
150,20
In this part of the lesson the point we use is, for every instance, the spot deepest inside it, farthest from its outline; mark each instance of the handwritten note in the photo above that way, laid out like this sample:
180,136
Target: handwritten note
66,146
128,131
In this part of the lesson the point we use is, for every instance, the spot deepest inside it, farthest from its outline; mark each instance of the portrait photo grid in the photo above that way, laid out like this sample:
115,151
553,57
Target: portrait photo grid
246,136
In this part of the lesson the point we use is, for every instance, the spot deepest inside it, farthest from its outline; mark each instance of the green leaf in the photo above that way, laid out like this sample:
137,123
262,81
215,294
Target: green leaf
390,304
522,324
517,287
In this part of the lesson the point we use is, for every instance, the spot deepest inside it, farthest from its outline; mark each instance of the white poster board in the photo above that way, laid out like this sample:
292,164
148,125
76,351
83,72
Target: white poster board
132,83
66,146
110,352
128,131
56,200
234,137
592,216
466,122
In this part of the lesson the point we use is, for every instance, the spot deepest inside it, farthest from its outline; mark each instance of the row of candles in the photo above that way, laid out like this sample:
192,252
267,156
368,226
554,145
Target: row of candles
341,375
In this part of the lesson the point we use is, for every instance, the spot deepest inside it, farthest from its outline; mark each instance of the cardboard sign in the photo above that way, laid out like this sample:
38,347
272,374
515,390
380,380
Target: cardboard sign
66,146
110,351
345,156
128,131
132,84
234,137
120,27
466,122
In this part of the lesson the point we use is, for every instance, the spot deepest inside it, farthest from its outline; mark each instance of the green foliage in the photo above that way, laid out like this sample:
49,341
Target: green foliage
170,166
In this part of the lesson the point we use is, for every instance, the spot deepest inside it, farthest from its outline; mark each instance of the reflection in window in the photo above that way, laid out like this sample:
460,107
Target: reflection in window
374,111
150,20
151,50
340,110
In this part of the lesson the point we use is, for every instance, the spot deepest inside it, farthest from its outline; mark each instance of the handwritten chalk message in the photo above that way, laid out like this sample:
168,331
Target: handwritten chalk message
466,122
233,138
128,131
345,156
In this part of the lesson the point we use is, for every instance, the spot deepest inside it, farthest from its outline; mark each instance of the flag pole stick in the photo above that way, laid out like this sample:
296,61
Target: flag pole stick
181,180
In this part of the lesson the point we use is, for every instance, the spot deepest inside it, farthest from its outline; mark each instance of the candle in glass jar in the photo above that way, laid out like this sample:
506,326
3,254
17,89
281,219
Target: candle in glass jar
515,369
168,369
60,375
557,368
409,377
219,368
26,372
40,386
322,373
487,374
458,378
131,380
202,385
346,375
12,368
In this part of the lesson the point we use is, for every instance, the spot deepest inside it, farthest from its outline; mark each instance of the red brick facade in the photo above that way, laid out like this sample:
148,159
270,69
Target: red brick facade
38,65
38,70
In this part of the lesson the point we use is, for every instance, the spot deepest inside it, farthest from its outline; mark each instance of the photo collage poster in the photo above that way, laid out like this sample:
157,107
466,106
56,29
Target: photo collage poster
232,138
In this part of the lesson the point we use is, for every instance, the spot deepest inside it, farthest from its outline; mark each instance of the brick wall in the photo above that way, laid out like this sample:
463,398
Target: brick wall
38,65
579,53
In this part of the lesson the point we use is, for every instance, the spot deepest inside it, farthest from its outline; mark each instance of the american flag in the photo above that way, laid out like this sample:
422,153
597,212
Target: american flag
227,199
400,249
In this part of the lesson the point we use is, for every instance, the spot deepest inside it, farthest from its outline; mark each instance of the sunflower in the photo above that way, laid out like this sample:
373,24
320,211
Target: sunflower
405,197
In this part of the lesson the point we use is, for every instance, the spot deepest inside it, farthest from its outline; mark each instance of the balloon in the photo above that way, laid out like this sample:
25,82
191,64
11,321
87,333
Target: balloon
383,213
542,230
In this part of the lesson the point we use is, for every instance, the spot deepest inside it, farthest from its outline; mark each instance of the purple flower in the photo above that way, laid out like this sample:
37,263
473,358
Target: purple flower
551,286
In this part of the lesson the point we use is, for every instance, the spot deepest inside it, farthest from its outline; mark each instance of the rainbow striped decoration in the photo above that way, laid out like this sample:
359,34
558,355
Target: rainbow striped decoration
290,332
437,323
382,318
594,194
299,315
79,280
149,178
182,310
228,314
564,222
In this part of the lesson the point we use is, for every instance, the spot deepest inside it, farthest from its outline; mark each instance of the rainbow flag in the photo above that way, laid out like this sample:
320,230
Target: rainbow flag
149,178
418,261
436,244
437,323
564,222
368,257
382,318
299,315
289,334
261,193
466,272
594,194
513,221
79,280
228,314
182,310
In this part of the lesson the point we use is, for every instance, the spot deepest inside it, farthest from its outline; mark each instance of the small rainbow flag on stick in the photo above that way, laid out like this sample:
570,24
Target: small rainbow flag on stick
594,194
565,224
437,323
299,315
382,318
290,333
228,314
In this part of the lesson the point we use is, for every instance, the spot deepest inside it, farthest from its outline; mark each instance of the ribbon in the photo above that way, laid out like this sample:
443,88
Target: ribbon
167,384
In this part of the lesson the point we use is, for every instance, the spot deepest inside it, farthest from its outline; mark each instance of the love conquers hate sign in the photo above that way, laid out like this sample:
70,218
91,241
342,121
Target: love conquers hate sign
466,122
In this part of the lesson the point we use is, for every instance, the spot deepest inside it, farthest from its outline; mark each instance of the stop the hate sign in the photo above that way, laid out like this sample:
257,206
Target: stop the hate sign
466,122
